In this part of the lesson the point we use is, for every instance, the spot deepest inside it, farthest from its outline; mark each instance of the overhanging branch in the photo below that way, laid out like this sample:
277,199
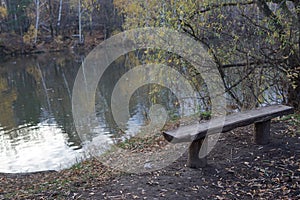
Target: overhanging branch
214,6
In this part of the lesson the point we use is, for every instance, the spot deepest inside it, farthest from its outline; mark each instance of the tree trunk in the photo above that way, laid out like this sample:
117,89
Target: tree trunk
59,17
37,20
51,19
294,89
79,23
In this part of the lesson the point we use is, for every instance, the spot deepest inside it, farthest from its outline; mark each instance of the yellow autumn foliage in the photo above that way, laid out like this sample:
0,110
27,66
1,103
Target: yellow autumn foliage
29,35
3,12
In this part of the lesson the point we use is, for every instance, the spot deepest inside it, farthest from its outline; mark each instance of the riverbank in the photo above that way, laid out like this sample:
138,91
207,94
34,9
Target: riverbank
13,44
238,169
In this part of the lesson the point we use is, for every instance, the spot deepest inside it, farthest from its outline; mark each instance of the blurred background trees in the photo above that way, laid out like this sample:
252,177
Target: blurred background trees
47,20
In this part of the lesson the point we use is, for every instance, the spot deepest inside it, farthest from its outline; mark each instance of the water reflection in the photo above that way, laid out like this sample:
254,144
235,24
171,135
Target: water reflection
36,147
36,126
37,131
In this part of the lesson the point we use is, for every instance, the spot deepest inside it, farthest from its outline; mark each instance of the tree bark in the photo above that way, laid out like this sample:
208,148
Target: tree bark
79,23
51,19
294,90
59,17
37,20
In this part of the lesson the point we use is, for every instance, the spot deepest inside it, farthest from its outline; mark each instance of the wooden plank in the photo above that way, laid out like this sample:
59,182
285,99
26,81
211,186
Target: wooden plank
198,131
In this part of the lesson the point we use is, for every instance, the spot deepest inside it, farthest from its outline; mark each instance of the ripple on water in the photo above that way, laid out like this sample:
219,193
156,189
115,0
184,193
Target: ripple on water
30,148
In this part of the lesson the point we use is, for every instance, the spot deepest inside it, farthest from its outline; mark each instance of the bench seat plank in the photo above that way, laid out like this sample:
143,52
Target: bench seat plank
198,131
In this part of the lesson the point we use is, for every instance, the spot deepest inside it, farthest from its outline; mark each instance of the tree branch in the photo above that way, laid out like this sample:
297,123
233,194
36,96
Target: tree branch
214,6
242,64
264,8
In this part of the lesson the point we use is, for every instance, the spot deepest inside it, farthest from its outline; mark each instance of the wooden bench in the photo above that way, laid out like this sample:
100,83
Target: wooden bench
196,133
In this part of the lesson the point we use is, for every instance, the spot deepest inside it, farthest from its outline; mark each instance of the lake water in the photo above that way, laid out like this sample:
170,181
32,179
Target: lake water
37,131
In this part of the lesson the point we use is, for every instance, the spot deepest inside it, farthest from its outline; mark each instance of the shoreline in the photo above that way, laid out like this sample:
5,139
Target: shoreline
12,45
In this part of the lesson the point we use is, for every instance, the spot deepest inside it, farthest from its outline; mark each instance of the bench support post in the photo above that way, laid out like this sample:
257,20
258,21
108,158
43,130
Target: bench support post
262,132
193,158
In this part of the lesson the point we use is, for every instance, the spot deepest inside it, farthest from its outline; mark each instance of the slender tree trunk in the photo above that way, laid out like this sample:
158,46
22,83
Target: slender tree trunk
294,63
37,20
91,23
51,19
59,17
294,95
79,23
294,86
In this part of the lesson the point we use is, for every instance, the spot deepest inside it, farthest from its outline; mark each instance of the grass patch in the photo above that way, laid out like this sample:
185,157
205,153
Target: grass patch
293,119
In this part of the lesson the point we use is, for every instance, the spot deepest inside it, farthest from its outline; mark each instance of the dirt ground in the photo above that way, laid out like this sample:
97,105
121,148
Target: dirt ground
237,169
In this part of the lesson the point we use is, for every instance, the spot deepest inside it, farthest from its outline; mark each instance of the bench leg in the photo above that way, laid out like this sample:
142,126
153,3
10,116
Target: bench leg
193,158
262,132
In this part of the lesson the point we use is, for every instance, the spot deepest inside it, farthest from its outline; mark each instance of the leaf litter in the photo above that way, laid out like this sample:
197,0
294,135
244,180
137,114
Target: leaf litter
237,169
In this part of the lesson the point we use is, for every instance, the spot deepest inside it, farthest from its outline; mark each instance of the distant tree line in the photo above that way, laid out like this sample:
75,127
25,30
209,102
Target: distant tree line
46,19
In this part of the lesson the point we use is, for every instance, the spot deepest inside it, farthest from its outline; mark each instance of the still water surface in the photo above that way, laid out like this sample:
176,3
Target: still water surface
37,131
